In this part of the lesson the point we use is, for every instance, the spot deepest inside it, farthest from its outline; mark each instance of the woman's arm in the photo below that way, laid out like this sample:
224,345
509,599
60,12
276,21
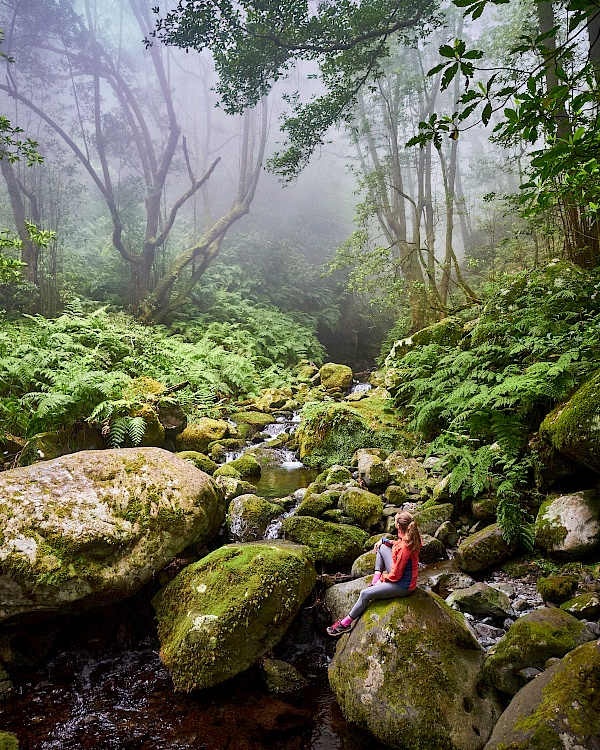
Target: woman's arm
399,561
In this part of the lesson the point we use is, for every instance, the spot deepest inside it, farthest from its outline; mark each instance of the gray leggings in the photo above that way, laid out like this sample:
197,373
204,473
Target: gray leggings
383,562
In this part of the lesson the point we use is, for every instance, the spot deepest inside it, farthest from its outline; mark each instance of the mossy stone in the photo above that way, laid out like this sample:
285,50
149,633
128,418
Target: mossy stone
197,437
282,678
227,470
9,741
246,466
335,377
363,507
154,434
481,599
556,589
222,614
364,564
334,475
483,549
446,332
432,549
530,642
92,527
410,672
255,419
431,518
143,388
328,542
248,517
407,472
199,460
569,526
586,606
572,427
233,487
559,709
316,504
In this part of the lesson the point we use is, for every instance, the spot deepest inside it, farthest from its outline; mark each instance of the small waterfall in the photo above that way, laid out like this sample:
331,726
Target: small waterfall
360,387
273,530
232,455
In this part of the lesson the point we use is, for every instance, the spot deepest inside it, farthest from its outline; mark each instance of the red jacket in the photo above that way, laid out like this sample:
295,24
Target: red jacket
405,566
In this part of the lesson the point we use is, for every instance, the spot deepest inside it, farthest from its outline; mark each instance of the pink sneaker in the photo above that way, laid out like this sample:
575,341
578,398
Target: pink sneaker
338,629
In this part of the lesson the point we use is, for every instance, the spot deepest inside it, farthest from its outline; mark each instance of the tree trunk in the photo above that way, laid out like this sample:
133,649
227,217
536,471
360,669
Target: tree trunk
29,250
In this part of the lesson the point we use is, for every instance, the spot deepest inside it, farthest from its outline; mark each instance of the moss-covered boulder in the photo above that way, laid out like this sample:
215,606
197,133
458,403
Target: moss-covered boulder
432,549
272,398
335,377
9,741
572,428
199,460
556,589
443,578
484,508
372,470
336,474
246,466
481,599
559,709
530,641
92,527
223,613
410,672
248,517
364,564
363,507
483,549
407,473
328,542
233,487
430,519
197,437
586,606
316,504
446,332
569,526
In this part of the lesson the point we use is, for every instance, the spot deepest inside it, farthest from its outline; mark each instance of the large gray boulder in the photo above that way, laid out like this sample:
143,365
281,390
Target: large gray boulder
483,549
569,526
533,639
92,527
223,613
559,709
410,672
481,599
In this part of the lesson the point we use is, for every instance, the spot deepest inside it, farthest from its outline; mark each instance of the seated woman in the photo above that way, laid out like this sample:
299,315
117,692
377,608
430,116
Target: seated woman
401,561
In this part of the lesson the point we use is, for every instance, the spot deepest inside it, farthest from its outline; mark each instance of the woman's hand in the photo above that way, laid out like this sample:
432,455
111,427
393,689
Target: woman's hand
377,545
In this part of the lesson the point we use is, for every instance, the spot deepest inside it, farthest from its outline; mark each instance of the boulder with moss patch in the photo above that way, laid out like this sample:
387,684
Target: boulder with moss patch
446,332
234,487
572,428
223,613
410,672
329,542
246,466
197,437
559,709
481,599
363,507
586,606
8,741
407,472
91,528
430,519
250,422
336,474
569,526
199,460
372,471
281,677
365,564
556,589
272,398
483,549
248,517
530,641
335,377
316,504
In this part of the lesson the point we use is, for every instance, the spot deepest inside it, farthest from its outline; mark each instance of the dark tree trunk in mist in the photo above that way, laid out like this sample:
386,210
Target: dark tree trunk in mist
97,74
29,250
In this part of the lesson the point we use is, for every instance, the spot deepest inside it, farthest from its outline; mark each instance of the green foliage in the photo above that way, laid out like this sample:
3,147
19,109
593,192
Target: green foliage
480,401
79,365
123,428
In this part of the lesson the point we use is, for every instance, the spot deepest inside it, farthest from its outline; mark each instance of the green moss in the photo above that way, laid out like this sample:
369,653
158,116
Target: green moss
316,505
365,508
199,460
222,613
556,589
328,542
8,741
246,466
252,418
549,534
227,470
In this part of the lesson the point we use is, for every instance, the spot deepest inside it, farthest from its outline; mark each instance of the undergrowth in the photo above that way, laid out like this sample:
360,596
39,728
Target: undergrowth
479,402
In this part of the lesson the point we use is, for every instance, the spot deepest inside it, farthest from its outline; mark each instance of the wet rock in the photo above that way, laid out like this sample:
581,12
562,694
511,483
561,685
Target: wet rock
328,542
484,508
531,640
570,525
443,578
584,606
406,472
281,677
559,709
248,517
92,527
408,660
234,487
483,550
223,613
246,466
363,507
481,599
488,632
248,423
430,519
556,589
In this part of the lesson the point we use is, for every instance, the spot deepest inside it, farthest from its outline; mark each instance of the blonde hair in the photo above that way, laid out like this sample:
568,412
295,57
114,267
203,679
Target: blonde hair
410,530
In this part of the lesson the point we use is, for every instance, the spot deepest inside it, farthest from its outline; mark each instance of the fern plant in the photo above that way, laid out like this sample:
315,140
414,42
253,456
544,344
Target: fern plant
122,429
